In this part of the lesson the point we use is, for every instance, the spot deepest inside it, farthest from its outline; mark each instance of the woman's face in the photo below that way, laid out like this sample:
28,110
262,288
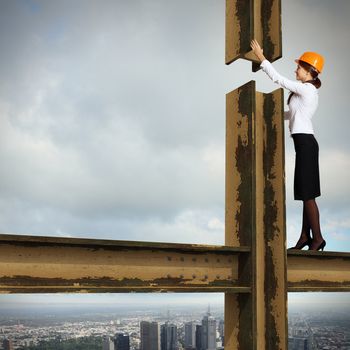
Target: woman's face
302,74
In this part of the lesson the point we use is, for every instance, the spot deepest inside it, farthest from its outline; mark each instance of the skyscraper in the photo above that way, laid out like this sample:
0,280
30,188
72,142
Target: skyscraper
199,337
221,329
168,337
7,344
121,341
150,339
298,343
190,335
107,343
208,333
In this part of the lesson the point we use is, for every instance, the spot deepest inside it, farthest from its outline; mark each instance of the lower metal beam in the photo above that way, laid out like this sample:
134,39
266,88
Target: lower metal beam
310,271
32,264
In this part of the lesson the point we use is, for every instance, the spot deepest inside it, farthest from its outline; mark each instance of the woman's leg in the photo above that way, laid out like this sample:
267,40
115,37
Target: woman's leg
305,238
313,218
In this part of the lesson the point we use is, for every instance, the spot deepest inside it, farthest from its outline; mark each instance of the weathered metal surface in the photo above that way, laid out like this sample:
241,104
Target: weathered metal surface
255,216
318,271
25,262
273,237
248,19
240,208
239,28
233,315
46,264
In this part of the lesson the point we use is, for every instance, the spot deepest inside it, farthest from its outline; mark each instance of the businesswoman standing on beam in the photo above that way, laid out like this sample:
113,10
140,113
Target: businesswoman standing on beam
302,102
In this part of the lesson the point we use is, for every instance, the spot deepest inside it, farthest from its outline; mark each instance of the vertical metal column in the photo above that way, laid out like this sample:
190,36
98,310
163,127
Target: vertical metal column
255,216
272,240
255,209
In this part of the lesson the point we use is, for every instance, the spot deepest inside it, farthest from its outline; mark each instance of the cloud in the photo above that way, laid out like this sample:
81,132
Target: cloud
103,118
325,301
341,237
116,170
335,170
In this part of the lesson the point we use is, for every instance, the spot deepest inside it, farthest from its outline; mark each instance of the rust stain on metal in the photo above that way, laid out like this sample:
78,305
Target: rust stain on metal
248,19
319,285
258,239
239,28
112,245
238,165
270,227
68,265
232,321
267,15
244,163
274,228
255,182
121,289
269,32
30,281
324,269
127,284
243,15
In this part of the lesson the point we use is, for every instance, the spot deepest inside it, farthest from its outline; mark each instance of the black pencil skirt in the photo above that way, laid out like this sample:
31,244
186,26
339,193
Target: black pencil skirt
306,173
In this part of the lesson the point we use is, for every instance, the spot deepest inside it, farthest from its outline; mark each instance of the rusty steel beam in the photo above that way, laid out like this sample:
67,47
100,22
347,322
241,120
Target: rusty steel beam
248,19
318,271
25,262
255,217
32,264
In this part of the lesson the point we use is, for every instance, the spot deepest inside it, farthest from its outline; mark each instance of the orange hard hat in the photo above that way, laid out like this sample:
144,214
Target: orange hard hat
314,59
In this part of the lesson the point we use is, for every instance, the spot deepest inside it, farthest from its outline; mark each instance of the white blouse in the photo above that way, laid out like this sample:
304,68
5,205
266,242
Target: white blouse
303,103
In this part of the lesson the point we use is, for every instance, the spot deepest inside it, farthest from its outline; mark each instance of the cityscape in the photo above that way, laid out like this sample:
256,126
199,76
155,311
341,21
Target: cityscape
160,329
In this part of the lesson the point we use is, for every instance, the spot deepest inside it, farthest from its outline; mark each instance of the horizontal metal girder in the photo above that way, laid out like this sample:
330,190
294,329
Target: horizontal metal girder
33,264
311,271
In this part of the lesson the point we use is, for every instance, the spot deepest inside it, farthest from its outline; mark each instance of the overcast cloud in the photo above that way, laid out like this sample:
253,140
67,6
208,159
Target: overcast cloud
113,117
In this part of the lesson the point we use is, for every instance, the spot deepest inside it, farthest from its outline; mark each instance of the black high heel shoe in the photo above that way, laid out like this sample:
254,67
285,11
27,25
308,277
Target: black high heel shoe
320,247
302,245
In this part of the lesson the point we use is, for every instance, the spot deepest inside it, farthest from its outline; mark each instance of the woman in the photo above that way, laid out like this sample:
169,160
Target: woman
302,102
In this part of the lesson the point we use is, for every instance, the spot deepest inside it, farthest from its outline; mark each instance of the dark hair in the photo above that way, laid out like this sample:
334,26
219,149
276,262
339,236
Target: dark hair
314,73
315,81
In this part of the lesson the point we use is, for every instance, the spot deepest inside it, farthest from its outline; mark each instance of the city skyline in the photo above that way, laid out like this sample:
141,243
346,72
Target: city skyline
311,329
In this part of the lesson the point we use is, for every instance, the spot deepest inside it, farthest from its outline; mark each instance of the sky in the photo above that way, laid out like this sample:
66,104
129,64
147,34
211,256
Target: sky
112,118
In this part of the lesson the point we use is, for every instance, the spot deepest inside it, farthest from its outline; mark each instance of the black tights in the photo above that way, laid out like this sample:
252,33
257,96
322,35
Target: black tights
311,222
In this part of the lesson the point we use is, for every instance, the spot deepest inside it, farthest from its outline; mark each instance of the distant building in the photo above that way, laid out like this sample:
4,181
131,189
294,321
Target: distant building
7,344
222,329
198,337
208,333
107,343
168,336
299,343
149,334
121,341
190,336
